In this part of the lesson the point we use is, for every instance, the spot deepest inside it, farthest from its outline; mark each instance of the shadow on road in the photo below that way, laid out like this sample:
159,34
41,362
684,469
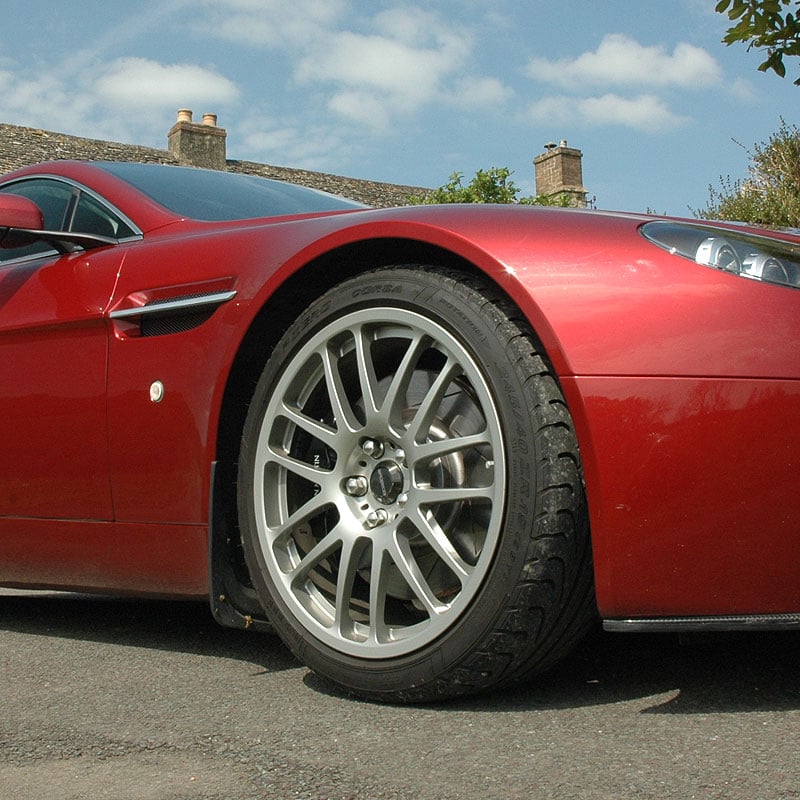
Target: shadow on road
691,674
154,624
700,674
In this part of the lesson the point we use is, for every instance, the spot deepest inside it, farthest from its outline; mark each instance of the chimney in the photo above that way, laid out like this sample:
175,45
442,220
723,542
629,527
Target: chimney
194,144
559,171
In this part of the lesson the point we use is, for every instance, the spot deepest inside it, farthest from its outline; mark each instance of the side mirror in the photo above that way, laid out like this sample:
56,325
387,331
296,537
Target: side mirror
18,213
22,223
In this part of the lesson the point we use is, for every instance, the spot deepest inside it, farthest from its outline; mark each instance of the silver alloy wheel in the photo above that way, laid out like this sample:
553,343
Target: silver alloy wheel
379,482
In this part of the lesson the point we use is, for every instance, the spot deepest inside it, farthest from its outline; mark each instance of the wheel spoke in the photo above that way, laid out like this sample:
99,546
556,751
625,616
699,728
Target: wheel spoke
366,372
318,430
279,534
323,548
346,419
378,589
349,558
428,451
406,563
308,471
432,496
394,401
427,525
424,416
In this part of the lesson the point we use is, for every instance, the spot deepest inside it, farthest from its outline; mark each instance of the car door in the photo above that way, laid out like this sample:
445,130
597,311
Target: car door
53,354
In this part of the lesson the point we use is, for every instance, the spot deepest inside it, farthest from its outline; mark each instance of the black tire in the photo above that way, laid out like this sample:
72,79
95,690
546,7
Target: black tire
412,510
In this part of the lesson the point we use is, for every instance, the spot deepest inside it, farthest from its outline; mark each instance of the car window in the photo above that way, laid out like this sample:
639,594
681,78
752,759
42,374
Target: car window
212,195
91,216
52,197
65,207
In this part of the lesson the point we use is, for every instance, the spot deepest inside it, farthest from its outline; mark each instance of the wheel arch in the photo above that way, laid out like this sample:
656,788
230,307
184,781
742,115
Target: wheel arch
233,601
282,307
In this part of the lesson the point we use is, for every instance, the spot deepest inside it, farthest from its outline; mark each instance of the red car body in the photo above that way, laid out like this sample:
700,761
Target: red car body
683,383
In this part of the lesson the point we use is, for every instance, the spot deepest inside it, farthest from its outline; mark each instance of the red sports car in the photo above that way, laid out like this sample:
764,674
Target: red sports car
428,445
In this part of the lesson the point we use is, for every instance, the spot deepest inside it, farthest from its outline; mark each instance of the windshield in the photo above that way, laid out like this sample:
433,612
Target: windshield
214,196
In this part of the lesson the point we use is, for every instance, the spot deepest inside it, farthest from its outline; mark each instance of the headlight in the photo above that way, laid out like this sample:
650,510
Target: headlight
719,253
749,255
767,268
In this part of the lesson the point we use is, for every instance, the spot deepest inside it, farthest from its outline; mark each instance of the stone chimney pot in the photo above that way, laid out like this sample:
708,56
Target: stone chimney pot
194,145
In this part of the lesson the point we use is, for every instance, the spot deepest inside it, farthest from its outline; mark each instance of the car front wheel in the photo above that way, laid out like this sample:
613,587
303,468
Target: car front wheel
410,493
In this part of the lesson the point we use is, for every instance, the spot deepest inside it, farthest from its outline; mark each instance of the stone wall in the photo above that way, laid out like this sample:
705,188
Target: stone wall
21,146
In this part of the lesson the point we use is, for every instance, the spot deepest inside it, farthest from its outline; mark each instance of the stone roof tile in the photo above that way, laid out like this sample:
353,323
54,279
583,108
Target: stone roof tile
21,146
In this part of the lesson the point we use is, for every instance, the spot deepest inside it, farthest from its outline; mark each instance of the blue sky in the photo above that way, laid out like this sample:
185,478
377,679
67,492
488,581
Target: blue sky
409,92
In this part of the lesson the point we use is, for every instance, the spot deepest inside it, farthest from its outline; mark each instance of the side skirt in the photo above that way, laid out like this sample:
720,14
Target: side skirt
742,622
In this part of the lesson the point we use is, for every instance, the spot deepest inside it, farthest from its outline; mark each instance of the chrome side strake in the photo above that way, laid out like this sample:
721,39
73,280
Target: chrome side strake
178,304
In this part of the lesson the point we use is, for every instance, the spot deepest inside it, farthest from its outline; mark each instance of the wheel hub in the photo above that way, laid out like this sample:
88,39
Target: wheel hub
386,482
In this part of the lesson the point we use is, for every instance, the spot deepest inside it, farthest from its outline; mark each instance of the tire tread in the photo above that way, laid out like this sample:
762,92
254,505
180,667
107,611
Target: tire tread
551,606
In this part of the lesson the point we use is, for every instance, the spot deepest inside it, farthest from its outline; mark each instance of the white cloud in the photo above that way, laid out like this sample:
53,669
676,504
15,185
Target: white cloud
270,23
480,94
744,91
134,100
141,83
298,146
554,109
354,72
44,100
644,112
621,61
411,75
361,107
417,27
402,67
369,68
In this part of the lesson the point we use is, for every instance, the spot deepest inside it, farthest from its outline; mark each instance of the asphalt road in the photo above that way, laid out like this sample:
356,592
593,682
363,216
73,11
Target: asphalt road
148,700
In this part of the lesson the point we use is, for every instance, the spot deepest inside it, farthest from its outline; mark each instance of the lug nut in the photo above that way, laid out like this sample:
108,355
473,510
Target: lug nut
377,518
356,486
372,447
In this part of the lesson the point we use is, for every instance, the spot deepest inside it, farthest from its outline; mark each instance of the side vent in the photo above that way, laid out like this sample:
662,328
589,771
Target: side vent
157,325
170,315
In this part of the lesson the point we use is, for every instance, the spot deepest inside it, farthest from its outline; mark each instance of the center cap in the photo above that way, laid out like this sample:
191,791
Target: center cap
386,482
